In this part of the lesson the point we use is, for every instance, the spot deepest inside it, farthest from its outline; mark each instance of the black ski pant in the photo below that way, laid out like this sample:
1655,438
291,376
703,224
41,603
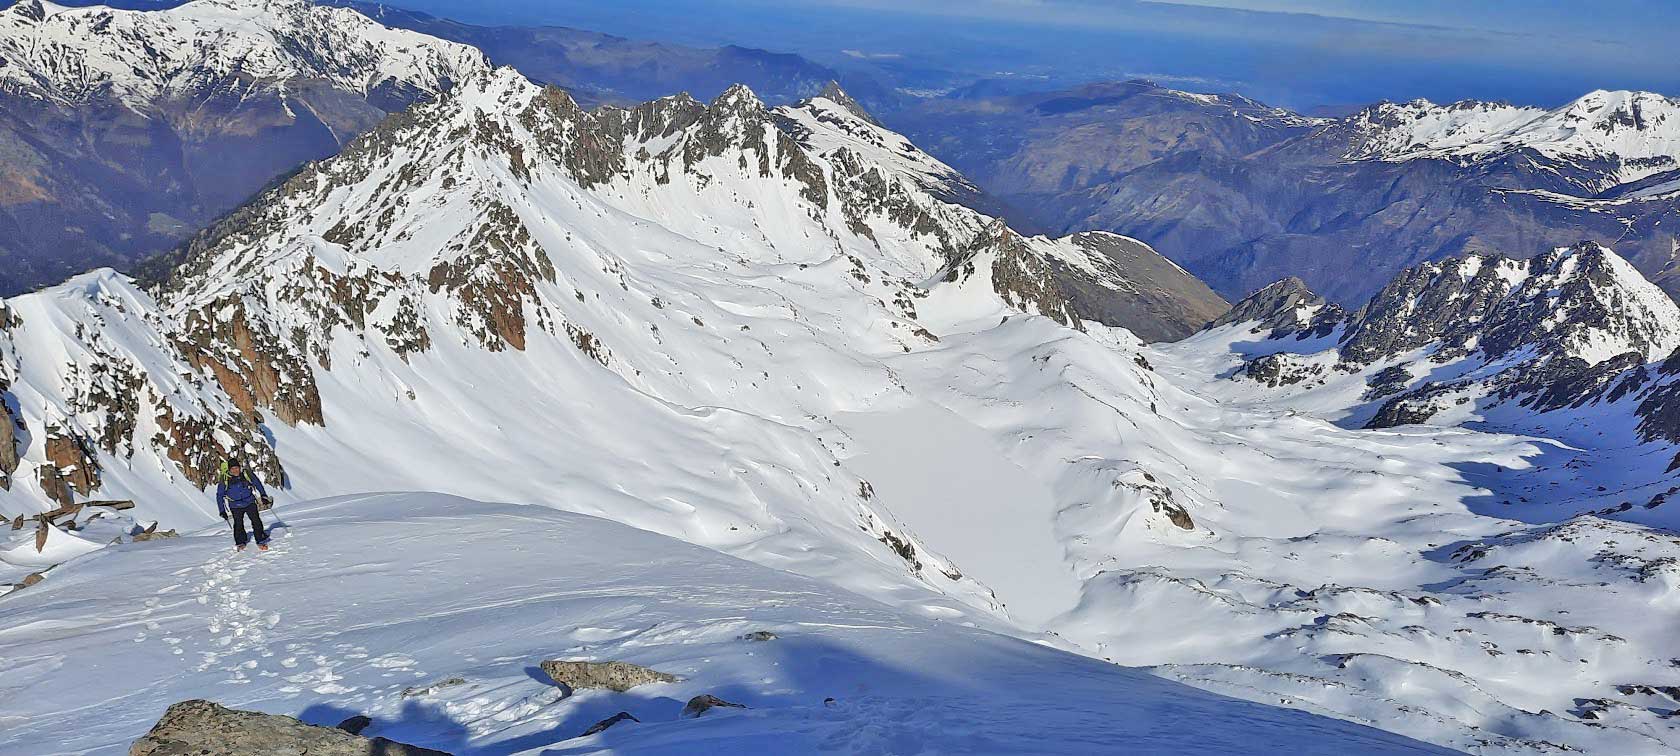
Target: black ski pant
240,514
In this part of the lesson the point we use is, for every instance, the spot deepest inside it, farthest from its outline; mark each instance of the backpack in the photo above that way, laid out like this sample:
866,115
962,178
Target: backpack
264,501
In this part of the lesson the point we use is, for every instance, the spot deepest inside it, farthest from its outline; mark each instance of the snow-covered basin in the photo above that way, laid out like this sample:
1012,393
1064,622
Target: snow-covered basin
366,596
965,499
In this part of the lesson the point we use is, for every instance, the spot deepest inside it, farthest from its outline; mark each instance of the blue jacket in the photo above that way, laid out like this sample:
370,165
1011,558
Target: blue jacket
240,491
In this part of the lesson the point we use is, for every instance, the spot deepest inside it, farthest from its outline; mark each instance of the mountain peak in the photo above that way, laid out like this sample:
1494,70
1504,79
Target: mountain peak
833,93
31,10
737,97
1284,307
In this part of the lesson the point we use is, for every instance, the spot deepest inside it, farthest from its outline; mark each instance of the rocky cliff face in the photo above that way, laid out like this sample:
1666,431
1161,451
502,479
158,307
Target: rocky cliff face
125,130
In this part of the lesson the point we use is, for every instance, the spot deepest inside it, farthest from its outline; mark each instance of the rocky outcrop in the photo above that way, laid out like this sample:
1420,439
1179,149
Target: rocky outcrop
1562,330
203,728
71,468
255,367
614,675
9,425
1281,369
153,534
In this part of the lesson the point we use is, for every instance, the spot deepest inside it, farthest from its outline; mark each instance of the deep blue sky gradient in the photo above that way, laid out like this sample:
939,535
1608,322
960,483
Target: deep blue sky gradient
1303,54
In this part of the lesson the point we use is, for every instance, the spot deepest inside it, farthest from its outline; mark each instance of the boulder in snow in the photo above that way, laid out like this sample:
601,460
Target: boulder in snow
614,675
430,688
759,635
203,728
28,580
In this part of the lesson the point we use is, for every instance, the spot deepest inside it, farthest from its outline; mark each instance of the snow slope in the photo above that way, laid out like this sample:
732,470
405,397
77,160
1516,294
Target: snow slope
318,629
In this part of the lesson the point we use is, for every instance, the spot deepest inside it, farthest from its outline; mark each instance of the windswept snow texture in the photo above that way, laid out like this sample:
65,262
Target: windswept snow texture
349,611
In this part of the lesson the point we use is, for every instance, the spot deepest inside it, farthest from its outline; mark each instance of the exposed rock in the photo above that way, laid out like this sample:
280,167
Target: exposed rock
257,369
71,467
430,688
1557,304
623,716
354,725
1387,382
203,728
706,702
1659,413
614,675
9,457
759,636
1284,308
1281,369
1412,408
28,580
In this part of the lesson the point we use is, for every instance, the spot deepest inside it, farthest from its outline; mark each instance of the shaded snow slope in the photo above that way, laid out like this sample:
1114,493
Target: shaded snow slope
318,629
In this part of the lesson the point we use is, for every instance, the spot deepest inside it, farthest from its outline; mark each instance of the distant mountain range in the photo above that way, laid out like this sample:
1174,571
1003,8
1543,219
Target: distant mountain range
1243,194
600,68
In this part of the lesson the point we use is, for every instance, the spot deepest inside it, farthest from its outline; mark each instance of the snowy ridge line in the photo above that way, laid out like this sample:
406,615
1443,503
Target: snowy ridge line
1632,134
75,55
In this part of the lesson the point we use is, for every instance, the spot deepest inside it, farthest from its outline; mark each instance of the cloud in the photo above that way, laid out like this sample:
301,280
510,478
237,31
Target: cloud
861,55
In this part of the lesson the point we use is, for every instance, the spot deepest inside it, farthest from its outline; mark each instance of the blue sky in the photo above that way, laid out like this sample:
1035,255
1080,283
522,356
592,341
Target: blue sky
1298,53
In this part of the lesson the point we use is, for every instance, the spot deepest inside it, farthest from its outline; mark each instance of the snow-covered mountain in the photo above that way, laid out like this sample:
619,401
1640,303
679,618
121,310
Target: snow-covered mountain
1618,137
664,262
125,131
216,47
